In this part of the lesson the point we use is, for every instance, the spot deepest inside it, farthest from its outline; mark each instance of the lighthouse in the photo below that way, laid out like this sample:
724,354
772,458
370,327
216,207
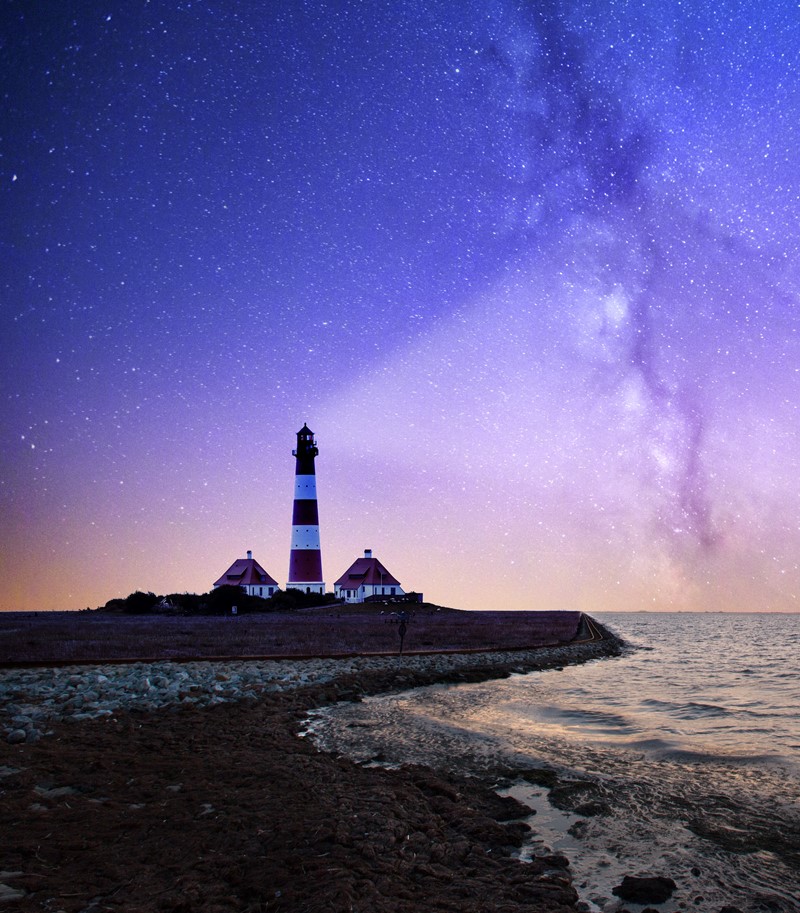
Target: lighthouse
305,560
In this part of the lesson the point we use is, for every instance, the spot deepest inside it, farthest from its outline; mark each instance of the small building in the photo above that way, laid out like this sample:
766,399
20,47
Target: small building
367,577
248,574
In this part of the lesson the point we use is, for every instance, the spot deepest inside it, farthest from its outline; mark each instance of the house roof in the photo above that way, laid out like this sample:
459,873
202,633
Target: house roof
367,571
246,572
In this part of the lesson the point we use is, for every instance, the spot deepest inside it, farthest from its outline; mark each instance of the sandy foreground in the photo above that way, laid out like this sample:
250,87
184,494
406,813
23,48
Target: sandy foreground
210,801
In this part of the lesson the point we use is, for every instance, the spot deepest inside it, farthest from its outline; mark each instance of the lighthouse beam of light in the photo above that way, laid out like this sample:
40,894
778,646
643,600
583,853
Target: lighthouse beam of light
580,375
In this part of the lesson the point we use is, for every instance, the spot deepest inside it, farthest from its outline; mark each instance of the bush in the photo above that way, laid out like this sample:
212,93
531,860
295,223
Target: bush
183,603
287,600
137,603
221,600
218,601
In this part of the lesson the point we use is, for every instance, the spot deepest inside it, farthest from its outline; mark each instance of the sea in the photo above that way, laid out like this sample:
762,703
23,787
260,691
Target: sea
679,758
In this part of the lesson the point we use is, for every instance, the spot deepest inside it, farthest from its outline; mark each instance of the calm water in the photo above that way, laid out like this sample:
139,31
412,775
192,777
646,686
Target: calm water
690,743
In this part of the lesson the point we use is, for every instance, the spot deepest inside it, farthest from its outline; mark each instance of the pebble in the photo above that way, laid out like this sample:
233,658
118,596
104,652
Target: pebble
9,893
30,699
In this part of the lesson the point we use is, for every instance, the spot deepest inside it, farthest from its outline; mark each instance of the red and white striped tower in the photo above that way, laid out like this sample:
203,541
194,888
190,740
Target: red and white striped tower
305,560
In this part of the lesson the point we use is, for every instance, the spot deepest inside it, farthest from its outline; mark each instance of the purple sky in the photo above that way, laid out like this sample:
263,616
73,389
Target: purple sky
528,271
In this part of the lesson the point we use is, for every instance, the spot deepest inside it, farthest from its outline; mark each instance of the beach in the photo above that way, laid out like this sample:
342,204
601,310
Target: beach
679,758
197,793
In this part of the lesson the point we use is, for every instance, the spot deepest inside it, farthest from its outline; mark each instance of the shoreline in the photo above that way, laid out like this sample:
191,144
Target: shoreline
211,770
31,697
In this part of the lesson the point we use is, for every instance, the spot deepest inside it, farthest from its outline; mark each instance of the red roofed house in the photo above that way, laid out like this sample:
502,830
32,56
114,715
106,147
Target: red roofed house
366,577
250,576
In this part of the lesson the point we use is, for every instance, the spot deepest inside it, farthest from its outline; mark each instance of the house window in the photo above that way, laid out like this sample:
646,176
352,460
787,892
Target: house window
394,590
261,591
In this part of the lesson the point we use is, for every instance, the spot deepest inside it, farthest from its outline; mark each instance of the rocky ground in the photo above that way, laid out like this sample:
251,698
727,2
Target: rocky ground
31,699
182,787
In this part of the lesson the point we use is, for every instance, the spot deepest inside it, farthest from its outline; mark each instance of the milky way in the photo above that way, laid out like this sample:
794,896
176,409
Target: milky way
529,271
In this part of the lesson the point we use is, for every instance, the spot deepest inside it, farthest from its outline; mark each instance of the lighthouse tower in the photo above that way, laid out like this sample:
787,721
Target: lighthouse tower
305,561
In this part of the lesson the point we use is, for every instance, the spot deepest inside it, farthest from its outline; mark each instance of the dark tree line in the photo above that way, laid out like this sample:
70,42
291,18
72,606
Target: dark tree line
219,601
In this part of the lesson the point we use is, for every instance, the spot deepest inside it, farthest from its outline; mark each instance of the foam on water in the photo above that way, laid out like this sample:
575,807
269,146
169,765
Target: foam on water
692,744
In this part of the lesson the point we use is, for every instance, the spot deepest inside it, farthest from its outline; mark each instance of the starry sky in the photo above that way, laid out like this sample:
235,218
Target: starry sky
529,270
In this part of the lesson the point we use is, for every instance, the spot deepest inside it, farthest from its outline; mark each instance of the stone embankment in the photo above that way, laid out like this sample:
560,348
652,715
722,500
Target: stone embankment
31,699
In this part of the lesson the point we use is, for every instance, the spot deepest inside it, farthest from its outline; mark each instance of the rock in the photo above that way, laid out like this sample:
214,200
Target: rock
54,792
645,889
510,809
568,795
769,902
555,861
16,736
578,829
540,776
593,808
730,909
9,893
517,832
